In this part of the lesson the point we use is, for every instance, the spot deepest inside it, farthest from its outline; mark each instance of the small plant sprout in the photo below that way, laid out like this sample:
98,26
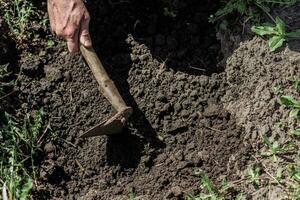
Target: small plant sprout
20,145
211,192
170,12
296,83
293,104
295,132
3,74
253,176
17,15
131,194
252,9
273,149
276,89
277,33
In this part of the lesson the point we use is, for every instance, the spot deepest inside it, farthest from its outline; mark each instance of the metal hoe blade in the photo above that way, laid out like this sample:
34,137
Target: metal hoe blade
114,125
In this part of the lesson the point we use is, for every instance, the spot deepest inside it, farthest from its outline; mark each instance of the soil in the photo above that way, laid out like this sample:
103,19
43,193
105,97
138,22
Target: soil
168,69
251,72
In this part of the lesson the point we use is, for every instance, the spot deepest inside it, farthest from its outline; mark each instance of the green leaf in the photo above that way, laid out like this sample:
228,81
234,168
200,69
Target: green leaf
275,42
225,184
280,25
294,113
275,146
289,101
295,132
208,184
50,43
296,176
279,173
264,30
293,35
26,189
267,141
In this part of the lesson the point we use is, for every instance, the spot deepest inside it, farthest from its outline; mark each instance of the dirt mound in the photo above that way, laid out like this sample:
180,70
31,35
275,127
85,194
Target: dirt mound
251,73
167,70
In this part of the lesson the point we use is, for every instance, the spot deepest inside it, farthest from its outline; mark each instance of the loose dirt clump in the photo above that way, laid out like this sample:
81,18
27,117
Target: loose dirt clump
252,71
167,70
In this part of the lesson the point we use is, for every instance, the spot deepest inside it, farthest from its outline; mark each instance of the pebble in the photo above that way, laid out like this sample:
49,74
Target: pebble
143,57
185,113
176,191
177,107
49,147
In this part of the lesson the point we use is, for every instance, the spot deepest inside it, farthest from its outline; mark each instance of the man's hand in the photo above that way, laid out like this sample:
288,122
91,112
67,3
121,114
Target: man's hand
70,19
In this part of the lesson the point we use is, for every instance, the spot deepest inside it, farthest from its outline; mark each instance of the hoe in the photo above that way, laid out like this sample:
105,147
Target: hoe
107,87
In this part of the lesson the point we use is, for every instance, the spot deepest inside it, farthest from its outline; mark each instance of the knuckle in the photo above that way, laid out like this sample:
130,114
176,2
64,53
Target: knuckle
85,32
86,16
69,32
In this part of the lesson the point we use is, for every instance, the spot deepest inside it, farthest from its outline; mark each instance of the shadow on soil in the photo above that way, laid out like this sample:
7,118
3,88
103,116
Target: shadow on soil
185,40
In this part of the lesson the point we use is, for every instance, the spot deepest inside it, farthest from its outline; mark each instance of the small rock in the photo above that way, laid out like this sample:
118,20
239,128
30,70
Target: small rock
177,107
179,155
42,53
143,57
176,191
67,76
49,147
161,97
194,93
211,110
185,113
182,165
181,77
166,107
203,80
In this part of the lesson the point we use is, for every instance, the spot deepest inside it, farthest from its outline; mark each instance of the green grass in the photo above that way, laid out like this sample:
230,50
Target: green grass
248,9
277,33
275,165
17,14
19,145
210,191
4,73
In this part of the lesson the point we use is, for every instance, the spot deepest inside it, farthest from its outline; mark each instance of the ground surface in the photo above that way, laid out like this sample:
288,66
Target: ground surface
167,70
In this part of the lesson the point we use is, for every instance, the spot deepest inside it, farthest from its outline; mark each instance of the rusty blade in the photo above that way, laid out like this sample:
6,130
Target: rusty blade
113,125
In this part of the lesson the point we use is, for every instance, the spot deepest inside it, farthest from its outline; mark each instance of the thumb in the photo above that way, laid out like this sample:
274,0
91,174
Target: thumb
84,36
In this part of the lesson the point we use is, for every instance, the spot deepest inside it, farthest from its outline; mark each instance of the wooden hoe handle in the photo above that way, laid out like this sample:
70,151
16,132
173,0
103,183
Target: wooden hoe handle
106,85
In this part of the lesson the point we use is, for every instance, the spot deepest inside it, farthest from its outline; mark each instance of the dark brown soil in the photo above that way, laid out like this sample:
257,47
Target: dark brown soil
167,70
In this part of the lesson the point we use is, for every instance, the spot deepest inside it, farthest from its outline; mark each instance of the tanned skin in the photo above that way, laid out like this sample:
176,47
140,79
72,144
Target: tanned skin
70,19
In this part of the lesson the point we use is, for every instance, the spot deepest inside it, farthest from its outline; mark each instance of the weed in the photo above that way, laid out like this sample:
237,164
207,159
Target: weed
293,104
3,74
277,33
169,10
249,8
296,83
274,149
211,191
19,148
131,194
276,89
253,175
50,43
17,14
295,132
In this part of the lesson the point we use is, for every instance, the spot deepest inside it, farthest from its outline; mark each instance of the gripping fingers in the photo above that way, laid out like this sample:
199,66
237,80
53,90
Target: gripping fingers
84,36
72,42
